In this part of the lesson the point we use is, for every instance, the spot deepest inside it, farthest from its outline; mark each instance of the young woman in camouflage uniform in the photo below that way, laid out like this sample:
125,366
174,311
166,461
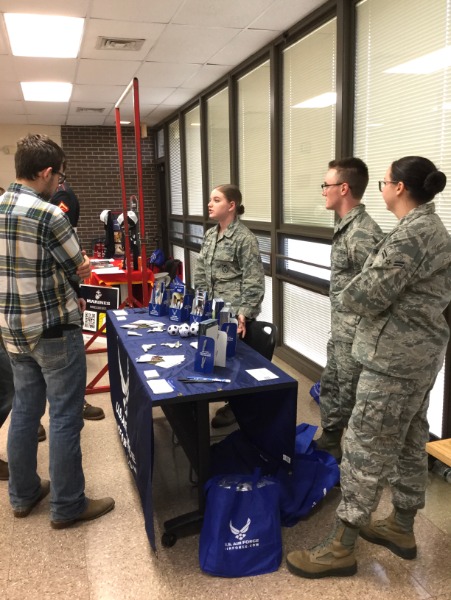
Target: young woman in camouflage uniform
401,340
230,267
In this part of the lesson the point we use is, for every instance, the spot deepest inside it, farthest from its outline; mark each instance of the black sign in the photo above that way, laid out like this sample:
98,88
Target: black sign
99,299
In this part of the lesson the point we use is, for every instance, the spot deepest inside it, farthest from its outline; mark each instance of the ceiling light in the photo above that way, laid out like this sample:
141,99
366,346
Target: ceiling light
429,63
46,91
322,101
44,36
125,122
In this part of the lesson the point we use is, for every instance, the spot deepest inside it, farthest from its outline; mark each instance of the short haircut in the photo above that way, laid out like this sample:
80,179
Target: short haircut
354,172
36,152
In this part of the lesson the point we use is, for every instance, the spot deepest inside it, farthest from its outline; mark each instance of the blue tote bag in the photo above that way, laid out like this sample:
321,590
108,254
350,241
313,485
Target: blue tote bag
314,474
241,533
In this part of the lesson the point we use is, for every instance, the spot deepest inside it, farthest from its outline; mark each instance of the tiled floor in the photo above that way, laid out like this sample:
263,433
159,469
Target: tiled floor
110,559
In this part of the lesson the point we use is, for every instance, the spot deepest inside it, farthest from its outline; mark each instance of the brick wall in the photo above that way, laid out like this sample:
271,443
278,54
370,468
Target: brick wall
93,173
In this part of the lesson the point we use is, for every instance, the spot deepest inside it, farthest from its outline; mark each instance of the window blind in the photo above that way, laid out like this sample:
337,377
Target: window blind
193,162
218,139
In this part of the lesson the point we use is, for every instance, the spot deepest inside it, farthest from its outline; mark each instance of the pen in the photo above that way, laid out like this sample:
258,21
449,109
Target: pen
204,380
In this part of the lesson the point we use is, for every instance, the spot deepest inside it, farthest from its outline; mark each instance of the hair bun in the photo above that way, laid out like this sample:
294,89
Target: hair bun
435,182
240,210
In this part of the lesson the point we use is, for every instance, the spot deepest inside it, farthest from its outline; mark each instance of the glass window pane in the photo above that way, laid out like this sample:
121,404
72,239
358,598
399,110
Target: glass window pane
193,162
218,139
309,99
178,253
254,143
193,256
311,258
266,313
176,230
306,322
175,173
264,244
403,92
160,143
195,234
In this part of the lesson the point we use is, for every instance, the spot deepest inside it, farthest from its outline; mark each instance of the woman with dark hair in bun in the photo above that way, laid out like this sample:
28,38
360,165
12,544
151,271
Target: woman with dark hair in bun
230,267
401,339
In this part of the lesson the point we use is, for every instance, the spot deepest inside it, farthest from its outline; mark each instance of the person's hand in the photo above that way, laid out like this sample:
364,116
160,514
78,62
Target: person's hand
81,304
84,270
241,331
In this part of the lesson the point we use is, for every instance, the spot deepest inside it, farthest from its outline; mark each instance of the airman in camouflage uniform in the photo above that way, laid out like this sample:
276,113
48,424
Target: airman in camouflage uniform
401,341
355,236
230,267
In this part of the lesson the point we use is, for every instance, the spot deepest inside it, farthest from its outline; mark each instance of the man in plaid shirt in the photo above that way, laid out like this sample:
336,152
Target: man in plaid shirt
40,322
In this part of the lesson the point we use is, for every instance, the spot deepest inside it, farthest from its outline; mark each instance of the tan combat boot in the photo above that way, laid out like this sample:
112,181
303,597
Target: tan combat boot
330,441
395,533
334,557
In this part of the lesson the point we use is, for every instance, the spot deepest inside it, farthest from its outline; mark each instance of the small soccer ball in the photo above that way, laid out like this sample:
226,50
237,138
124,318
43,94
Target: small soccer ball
184,330
173,329
194,328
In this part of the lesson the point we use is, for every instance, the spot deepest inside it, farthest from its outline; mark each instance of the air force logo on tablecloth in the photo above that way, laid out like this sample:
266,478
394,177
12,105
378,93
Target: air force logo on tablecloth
122,412
240,534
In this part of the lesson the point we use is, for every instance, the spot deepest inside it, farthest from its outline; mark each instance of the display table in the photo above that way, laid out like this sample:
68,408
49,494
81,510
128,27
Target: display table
116,276
265,410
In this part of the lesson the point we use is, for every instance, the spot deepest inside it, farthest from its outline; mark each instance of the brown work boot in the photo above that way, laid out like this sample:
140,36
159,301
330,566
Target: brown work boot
224,417
330,441
42,436
92,413
395,533
94,509
4,471
24,511
334,557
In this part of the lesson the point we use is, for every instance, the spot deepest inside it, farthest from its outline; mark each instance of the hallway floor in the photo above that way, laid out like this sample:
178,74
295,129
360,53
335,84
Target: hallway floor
110,558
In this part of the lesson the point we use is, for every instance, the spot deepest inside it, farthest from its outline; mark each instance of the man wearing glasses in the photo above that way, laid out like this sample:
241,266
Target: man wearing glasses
40,321
355,235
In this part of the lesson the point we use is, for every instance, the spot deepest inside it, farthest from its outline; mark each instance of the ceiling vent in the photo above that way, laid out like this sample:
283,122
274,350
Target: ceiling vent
86,109
110,43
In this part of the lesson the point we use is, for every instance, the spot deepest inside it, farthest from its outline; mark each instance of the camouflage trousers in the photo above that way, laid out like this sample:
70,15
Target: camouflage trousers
338,385
385,443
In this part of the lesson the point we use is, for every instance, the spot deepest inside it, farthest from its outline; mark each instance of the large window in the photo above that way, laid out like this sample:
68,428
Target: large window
403,91
193,162
254,143
309,99
175,175
403,104
218,139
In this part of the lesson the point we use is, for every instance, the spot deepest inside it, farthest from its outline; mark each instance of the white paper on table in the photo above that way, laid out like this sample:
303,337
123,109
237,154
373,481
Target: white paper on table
166,363
107,270
121,318
120,313
262,374
160,386
148,323
194,344
129,326
151,374
131,332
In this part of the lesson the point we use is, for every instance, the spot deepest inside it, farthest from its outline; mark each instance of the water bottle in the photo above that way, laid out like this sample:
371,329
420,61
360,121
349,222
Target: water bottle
444,471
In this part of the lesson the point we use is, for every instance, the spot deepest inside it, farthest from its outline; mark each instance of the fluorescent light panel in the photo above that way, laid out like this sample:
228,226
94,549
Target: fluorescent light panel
46,91
321,101
44,36
423,65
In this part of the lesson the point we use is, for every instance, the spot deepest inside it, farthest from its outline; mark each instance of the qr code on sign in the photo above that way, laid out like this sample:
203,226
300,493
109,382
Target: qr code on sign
90,320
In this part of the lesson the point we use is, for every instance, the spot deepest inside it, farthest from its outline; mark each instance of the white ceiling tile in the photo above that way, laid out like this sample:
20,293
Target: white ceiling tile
244,45
179,97
206,76
103,71
10,107
153,95
97,93
75,106
165,74
205,14
150,11
187,44
89,119
46,108
38,119
10,91
282,14
157,115
49,69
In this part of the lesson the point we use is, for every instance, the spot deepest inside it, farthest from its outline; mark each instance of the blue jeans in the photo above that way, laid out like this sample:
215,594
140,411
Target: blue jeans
6,385
56,370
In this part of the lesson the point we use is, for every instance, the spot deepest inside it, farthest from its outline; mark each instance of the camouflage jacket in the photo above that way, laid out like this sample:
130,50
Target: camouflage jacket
231,268
401,294
355,236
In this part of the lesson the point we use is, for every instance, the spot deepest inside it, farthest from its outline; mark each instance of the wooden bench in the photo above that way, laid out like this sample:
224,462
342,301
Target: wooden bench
440,449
